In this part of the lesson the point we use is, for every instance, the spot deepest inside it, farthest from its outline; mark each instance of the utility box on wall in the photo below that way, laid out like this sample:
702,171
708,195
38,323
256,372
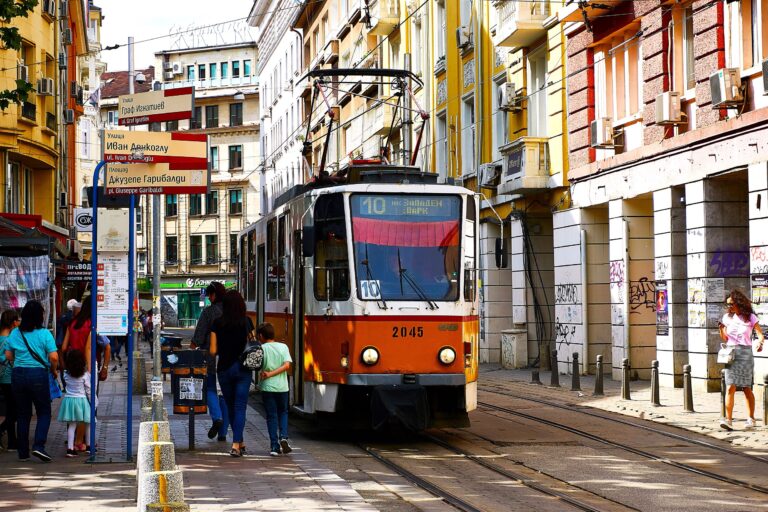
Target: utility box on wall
514,348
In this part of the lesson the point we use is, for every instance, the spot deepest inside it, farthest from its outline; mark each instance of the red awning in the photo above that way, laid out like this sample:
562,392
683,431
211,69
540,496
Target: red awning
406,234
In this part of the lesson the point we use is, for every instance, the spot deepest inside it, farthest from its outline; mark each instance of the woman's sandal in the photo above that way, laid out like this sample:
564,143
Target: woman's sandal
234,452
243,453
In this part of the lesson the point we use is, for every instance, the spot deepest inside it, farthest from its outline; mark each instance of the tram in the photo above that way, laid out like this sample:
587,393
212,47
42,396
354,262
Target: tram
372,283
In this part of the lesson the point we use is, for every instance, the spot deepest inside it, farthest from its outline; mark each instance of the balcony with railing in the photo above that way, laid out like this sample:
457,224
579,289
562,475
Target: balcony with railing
520,24
383,16
378,120
525,165
29,111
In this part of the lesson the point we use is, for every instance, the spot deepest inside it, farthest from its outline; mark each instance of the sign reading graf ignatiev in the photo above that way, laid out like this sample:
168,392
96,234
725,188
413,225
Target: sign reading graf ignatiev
131,179
156,106
183,151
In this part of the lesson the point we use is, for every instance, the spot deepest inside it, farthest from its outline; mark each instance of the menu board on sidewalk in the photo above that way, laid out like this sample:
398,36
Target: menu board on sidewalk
112,295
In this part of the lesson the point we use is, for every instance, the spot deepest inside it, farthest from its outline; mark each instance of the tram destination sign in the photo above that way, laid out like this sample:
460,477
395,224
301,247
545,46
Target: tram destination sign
139,178
156,106
182,151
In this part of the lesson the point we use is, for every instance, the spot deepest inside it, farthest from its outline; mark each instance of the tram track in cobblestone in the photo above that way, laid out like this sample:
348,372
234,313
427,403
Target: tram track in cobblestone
647,428
462,504
625,447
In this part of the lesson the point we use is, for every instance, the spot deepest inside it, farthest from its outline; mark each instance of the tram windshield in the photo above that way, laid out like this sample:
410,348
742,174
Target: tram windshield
406,246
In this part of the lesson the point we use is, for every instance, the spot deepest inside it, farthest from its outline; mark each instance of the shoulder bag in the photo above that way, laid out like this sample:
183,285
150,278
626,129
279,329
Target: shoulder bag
252,357
726,354
52,384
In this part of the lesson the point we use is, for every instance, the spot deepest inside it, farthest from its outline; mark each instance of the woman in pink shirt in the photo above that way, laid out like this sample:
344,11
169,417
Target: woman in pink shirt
736,330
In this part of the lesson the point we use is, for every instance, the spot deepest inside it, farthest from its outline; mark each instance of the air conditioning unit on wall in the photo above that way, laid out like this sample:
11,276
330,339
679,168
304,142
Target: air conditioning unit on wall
176,67
22,72
508,99
668,108
463,36
69,116
45,87
601,133
488,175
725,86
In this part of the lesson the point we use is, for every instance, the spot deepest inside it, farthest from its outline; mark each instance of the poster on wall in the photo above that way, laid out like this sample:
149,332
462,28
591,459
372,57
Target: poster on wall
662,309
760,298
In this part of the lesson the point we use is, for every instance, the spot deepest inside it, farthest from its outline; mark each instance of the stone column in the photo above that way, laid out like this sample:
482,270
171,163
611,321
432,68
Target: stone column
672,284
496,295
758,257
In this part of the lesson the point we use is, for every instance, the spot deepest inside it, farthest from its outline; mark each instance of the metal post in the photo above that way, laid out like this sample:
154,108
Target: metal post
94,306
535,377
129,338
625,392
598,377
191,427
407,113
156,317
555,377
765,399
655,398
687,390
575,380
722,393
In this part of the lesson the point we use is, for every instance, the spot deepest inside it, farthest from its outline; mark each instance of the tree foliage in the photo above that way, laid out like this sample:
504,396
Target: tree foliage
10,39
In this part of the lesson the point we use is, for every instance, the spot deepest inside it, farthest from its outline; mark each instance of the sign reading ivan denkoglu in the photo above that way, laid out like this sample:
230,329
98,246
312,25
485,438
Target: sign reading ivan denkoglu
131,179
156,106
183,151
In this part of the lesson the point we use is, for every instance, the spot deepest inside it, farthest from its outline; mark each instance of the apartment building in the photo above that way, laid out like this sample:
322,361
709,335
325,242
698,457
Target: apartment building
668,137
282,107
199,240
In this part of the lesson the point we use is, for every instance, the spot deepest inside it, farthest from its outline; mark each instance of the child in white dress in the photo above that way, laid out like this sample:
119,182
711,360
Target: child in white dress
75,406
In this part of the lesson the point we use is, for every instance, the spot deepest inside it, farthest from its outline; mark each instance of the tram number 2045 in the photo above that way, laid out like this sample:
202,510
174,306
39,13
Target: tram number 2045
407,332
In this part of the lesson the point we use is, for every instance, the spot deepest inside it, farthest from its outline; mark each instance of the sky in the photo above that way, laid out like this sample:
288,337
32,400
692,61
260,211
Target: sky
145,19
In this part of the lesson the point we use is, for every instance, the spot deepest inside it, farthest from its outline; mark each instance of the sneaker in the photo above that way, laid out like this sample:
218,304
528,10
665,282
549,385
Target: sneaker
214,430
726,424
40,454
71,453
286,448
274,453
750,423
24,459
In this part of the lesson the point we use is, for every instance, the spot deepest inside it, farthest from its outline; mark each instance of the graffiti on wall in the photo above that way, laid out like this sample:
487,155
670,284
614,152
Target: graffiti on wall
617,272
758,260
567,294
729,263
642,295
565,334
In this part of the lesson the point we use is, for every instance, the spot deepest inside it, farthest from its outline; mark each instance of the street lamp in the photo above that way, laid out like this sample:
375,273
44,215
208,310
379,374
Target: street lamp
239,96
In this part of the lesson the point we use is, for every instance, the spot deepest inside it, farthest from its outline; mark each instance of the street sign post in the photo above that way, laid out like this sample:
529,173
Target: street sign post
156,106
180,150
131,179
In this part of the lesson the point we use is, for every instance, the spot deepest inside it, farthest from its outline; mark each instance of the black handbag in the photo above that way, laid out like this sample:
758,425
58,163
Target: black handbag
252,357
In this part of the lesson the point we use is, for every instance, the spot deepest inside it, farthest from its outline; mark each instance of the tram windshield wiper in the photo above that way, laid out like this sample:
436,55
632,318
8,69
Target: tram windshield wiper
411,281
369,276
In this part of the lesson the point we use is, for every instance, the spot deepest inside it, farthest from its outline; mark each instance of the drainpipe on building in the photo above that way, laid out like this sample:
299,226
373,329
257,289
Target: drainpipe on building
584,301
626,290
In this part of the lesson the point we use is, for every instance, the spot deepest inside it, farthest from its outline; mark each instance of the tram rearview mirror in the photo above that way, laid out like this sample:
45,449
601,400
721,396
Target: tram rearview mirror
501,254
308,241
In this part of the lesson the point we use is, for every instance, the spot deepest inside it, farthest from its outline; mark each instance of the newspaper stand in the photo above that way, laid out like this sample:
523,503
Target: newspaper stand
189,386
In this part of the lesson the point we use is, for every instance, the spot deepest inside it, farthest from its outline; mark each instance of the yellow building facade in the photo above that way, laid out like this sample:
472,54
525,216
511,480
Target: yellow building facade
28,132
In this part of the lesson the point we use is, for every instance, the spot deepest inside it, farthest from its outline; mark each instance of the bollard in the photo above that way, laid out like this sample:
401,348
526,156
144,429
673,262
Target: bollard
535,377
164,487
554,380
139,374
765,399
687,389
655,399
167,507
722,393
154,431
598,377
625,392
155,456
575,378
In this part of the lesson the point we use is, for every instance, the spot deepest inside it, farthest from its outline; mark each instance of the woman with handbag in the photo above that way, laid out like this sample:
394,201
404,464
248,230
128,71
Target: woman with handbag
32,350
229,337
736,329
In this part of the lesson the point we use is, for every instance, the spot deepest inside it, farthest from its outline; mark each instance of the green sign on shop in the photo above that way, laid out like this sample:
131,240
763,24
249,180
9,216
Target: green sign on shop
144,284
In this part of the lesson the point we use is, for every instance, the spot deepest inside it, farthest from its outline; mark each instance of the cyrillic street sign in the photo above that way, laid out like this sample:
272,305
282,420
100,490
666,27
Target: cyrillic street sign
131,179
156,106
78,271
183,151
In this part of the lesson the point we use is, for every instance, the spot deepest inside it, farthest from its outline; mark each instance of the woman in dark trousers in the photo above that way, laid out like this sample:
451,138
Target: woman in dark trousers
8,322
229,335
32,350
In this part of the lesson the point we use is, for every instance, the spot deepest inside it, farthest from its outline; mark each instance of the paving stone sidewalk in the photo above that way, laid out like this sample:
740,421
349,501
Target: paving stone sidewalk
671,412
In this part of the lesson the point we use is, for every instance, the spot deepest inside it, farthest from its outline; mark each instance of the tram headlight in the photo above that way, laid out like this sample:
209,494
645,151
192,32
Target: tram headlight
446,355
370,356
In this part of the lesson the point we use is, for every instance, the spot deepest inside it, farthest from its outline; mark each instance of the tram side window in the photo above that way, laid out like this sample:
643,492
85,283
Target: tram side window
331,256
252,266
277,257
283,286
470,267
244,267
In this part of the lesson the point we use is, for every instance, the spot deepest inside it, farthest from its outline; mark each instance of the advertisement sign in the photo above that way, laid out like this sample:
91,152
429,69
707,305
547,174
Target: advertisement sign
179,149
83,219
514,162
112,294
760,298
78,271
131,179
155,106
662,309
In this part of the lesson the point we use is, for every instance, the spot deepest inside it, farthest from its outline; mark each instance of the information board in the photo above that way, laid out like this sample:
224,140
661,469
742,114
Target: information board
112,294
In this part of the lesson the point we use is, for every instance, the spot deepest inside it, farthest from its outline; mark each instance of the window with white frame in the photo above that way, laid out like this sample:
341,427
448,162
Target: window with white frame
441,33
619,76
745,35
681,30
441,146
468,135
416,46
500,120
537,94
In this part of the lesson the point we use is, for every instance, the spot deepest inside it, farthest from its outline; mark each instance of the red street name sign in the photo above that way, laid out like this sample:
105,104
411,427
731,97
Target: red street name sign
183,151
155,106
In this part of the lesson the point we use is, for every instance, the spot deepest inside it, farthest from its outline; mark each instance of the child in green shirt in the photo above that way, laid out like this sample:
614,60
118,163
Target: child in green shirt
273,382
